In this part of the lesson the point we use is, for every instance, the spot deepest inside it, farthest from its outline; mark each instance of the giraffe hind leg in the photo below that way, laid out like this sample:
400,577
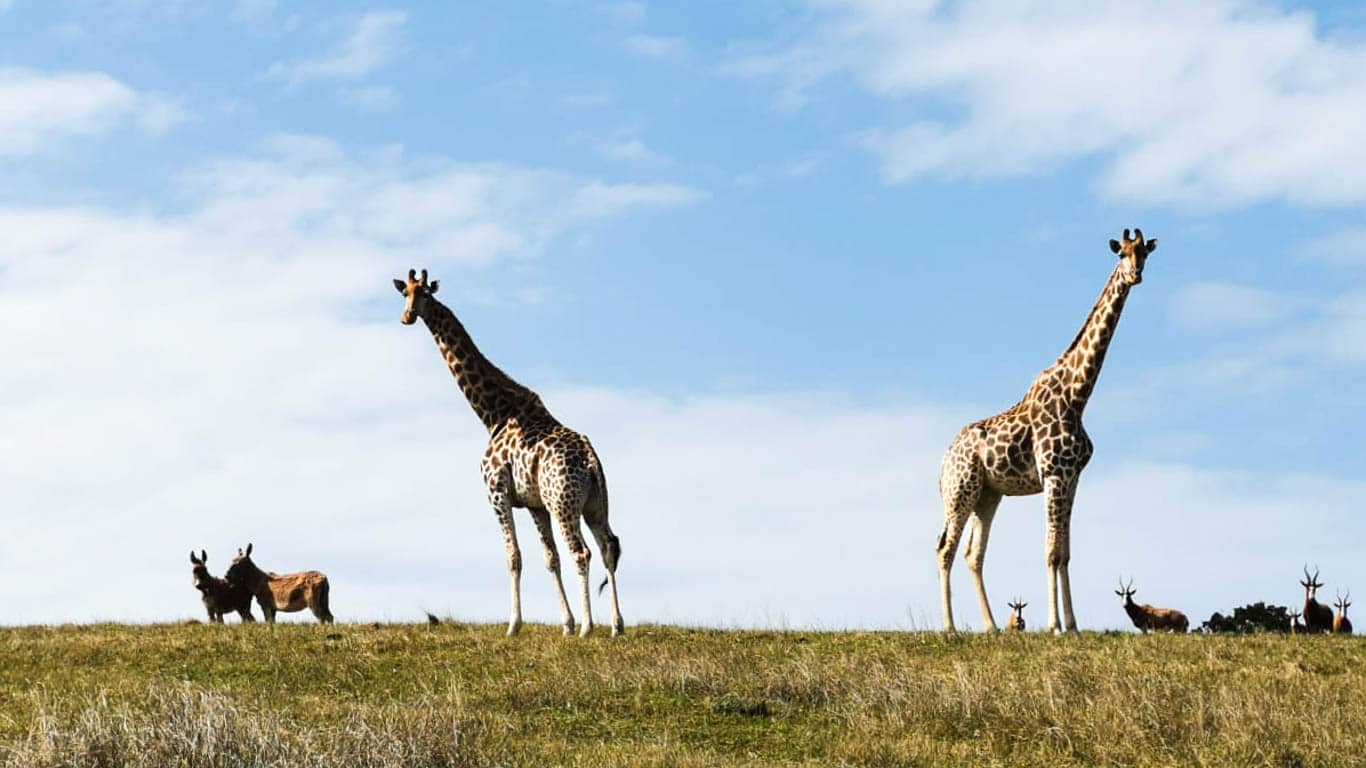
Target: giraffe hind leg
552,564
595,514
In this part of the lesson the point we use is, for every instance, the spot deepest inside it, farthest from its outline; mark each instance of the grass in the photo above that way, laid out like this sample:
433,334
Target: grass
464,695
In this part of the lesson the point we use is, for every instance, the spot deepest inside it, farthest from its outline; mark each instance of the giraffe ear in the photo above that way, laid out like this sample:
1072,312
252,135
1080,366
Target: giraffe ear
1152,245
1114,248
401,286
432,288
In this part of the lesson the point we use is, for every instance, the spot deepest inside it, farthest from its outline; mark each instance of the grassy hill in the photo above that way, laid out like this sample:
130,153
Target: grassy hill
463,695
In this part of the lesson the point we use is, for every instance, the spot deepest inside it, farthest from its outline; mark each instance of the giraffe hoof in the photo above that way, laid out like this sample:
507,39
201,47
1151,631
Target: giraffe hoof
513,628
618,629
569,629
586,629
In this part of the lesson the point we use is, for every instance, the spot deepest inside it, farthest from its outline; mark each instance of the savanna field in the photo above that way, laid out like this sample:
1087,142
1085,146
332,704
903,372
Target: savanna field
465,695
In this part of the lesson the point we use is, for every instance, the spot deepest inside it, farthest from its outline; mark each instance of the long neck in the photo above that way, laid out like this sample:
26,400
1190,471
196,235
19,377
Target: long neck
493,395
1080,364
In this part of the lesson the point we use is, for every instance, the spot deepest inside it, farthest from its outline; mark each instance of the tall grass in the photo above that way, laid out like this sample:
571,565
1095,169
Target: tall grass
407,695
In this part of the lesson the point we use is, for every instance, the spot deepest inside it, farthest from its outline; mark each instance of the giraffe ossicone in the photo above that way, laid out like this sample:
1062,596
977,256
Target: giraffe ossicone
532,461
1036,446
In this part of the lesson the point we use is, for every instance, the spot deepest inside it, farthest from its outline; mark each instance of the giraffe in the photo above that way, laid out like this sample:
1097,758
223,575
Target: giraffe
1038,445
532,461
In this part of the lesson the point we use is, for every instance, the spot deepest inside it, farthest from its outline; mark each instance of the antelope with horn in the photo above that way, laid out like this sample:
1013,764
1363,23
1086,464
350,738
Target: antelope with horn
1341,624
1318,618
1016,622
1148,617
1296,628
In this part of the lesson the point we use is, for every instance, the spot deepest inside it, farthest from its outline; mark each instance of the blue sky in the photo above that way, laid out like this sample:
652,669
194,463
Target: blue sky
770,256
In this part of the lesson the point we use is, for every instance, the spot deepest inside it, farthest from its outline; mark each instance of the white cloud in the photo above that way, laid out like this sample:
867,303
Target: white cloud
657,47
1209,306
38,109
1207,103
628,13
633,151
372,98
599,199
1344,248
371,43
5,5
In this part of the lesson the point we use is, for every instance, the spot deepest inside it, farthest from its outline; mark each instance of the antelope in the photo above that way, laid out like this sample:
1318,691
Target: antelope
281,592
1016,622
1318,618
1295,626
219,595
1341,624
1147,617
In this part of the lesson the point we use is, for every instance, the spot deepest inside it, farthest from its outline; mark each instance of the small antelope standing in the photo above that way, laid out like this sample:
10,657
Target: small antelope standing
1147,617
219,595
1295,626
281,592
1016,622
1318,618
1341,624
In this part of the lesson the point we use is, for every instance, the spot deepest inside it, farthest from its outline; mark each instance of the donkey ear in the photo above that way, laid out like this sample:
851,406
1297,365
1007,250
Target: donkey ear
432,288
192,560
1152,245
203,556
401,286
248,549
1114,248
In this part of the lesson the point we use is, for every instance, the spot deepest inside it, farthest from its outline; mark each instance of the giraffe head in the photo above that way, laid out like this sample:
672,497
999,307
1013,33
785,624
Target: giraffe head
1133,253
1311,584
417,290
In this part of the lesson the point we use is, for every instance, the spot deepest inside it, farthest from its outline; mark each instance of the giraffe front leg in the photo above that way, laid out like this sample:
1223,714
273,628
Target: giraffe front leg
552,564
502,506
1058,499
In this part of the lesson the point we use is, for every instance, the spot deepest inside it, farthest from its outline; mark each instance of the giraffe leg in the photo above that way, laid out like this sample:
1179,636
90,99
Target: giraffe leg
502,506
960,485
552,564
1064,580
1058,498
976,553
567,514
610,547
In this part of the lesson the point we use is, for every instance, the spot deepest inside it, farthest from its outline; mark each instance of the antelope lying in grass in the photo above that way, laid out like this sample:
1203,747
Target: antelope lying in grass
281,592
1147,617
219,595
1016,621
1341,624
1318,618
1295,626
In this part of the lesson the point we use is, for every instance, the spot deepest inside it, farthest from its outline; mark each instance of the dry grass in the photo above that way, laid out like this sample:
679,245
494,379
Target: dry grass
462,695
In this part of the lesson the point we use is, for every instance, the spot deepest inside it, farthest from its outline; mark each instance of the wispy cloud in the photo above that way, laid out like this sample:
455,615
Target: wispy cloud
370,44
632,151
1208,103
657,47
1210,306
38,109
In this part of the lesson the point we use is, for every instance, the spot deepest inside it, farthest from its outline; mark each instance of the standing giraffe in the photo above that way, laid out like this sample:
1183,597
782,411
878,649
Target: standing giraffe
1037,445
532,461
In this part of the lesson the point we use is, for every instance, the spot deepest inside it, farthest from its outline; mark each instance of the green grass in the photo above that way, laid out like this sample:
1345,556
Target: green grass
414,695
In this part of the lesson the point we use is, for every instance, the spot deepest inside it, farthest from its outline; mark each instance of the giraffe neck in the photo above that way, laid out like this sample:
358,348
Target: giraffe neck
1079,366
493,395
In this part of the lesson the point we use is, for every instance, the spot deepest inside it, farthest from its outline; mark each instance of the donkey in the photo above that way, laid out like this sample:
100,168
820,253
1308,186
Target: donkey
1296,628
1016,622
1318,618
281,592
1341,624
1147,617
219,595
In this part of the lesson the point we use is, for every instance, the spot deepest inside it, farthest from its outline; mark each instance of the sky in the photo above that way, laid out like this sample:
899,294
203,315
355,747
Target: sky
769,256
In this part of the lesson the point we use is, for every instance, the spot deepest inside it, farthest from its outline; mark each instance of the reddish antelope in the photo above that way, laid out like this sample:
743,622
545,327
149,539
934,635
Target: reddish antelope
219,595
1318,618
1147,617
1016,621
1341,624
287,592
1295,626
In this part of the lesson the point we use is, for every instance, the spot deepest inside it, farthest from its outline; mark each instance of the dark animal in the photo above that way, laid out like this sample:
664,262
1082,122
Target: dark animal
1341,624
1318,618
1016,622
219,595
